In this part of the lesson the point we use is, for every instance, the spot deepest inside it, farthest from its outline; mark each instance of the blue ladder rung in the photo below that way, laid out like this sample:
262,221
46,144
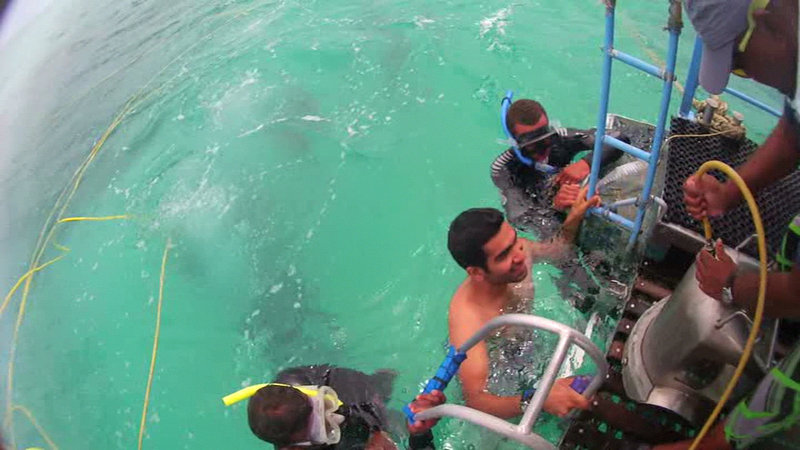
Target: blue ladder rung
757,103
637,63
614,217
627,148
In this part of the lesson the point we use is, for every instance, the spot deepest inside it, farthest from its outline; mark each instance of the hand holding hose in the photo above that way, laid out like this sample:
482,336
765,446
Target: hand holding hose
714,271
712,204
705,196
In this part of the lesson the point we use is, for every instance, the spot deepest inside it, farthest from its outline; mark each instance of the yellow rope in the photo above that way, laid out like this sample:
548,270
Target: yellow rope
23,278
65,198
78,219
36,425
27,278
61,247
762,287
12,355
675,136
155,343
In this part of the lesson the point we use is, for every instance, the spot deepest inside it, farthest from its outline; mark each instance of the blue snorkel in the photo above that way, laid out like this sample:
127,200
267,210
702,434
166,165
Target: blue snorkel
541,167
444,374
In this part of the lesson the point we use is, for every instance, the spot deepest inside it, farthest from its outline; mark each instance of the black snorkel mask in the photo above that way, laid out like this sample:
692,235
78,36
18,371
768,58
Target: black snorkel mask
532,142
537,143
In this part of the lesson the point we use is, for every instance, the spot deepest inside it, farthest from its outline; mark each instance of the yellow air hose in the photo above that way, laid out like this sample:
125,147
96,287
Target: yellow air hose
762,286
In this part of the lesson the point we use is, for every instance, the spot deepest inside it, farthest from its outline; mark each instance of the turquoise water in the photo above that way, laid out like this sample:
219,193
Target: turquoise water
303,158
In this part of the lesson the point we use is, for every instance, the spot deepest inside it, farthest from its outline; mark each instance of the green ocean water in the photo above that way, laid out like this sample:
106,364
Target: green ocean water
303,158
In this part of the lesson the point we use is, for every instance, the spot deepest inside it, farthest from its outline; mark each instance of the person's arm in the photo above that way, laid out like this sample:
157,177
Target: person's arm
474,371
569,229
776,158
574,142
782,289
500,172
420,434
714,274
579,140
379,440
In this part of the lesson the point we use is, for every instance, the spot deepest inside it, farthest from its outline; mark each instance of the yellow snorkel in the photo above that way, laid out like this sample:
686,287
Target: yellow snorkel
242,394
324,421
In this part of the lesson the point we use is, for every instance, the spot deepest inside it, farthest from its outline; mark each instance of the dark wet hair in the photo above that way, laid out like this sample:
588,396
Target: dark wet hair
524,111
469,232
276,413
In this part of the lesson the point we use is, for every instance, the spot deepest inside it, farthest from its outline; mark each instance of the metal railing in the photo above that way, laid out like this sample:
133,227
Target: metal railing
667,74
523,432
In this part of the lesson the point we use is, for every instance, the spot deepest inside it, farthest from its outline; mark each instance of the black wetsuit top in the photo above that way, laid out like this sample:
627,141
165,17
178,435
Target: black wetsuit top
574,141
525,188
364,397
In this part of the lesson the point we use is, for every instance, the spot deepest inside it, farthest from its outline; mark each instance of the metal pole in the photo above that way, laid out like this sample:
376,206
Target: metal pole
691,79
548,378
627,148
753,101
637,63
605,86
523,433
674,26
613,217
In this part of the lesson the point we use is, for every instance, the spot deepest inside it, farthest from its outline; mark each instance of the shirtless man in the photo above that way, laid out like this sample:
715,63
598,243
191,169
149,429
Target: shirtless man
498,265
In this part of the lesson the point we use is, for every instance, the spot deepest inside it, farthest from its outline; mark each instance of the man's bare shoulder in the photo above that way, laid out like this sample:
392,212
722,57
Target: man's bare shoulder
461,302
465,315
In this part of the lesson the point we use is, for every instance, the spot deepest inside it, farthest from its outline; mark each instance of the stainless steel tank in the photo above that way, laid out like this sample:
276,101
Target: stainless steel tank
683,350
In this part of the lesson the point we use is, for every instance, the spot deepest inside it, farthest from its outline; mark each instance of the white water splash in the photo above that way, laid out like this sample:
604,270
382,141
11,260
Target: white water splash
496,21
249,132
310,118
421,21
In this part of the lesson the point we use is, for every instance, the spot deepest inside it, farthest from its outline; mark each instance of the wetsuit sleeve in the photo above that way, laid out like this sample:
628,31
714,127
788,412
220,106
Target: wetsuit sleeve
500,171
609,155
422,441
573,141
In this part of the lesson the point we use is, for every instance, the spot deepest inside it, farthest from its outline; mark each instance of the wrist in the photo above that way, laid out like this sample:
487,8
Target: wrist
727,289
731,195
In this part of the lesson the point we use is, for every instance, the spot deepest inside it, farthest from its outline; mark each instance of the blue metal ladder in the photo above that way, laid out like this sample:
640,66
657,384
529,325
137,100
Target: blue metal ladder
674,26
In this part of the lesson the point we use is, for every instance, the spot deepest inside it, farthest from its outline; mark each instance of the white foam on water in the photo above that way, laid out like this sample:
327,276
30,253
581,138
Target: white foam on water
310,118
249,132
496,21
421,21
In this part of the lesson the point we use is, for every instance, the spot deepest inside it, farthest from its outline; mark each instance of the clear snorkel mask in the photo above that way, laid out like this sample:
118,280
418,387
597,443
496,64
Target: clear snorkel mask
543,138
323,427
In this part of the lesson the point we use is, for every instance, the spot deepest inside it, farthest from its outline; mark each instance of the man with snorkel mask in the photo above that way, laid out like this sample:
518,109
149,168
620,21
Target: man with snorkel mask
544,161
329,407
